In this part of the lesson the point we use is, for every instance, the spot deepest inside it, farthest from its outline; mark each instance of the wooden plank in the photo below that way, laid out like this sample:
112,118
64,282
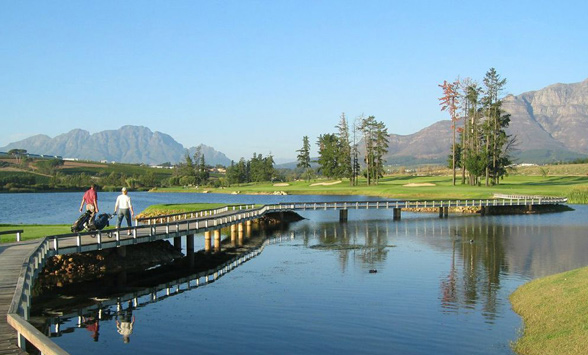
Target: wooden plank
11,261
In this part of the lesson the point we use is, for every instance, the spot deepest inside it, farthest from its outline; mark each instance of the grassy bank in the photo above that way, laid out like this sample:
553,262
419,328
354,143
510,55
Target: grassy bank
555,312
167,208
33,231
412,187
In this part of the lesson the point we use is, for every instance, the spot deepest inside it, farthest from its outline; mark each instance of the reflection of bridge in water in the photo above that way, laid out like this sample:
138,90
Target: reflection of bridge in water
156,293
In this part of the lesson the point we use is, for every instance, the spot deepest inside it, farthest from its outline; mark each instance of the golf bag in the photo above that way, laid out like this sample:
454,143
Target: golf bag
102,221
85,221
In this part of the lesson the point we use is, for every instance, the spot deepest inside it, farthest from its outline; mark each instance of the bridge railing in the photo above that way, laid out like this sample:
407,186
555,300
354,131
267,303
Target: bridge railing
19,312
529,197
96,240
528,200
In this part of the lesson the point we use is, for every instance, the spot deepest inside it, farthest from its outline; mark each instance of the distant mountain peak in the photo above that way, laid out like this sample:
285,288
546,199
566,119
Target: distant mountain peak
550,124
128,144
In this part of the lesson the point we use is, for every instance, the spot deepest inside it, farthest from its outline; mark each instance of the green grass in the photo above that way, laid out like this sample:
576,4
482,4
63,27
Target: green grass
33,231
394,187
579,195
555,312
169,208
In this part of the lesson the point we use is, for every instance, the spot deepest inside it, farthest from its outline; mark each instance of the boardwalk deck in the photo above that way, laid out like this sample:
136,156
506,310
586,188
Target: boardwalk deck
12,257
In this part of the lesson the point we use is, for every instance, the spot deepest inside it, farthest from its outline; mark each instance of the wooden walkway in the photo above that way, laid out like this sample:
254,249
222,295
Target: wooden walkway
12,257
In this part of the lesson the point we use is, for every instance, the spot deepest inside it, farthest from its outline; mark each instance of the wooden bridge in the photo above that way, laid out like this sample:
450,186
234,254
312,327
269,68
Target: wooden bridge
175,226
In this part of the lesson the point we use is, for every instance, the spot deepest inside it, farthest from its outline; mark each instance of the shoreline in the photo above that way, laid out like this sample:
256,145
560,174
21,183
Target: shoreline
554,312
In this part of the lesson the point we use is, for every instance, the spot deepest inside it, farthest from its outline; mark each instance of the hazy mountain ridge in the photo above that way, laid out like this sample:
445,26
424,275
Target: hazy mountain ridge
129,144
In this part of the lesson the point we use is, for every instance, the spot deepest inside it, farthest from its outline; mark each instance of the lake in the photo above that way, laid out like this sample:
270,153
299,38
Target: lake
441,286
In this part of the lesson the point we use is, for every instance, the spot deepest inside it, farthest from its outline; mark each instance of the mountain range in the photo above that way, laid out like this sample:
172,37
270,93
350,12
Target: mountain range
550,125
129,144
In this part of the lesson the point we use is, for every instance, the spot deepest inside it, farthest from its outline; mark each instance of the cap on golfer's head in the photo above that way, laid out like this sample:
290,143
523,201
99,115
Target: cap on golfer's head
124,189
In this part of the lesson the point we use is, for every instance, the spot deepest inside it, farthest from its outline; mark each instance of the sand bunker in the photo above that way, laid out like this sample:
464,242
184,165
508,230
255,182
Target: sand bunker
412,184
282,184
326,183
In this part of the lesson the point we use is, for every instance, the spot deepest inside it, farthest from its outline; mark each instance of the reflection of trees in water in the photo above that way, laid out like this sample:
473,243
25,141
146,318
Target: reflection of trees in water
366,242
478,258
477,253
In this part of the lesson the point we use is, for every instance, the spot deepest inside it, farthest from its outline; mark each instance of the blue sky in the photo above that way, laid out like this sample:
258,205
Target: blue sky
256,76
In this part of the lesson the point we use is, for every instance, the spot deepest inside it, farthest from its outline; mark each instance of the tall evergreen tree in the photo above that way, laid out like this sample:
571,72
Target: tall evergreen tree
304,158
328,160
344,148
473,137
484,146
495,123
202,173
375,136
355,166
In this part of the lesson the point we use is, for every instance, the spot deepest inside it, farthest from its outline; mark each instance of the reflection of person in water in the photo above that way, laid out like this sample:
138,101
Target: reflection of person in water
92,325
125,322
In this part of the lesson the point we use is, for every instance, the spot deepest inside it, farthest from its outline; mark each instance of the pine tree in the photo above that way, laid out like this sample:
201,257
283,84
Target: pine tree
344,148
494,124
375,136
304,158
328,151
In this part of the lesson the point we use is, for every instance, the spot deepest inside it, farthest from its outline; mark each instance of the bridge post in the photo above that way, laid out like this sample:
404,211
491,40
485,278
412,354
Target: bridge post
248,229
190,244
207,243
397,213
178,243
443,212
240,234
217,240
343,215
233,235
190,248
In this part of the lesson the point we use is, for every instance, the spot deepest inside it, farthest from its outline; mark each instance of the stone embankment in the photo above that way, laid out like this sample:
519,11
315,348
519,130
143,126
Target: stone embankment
62,270
465,210
495,210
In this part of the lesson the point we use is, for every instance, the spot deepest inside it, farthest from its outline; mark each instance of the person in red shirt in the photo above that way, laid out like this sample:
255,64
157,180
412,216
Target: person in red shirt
91,200
92,325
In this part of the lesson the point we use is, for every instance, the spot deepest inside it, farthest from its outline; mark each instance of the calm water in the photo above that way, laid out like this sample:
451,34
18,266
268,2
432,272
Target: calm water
441,286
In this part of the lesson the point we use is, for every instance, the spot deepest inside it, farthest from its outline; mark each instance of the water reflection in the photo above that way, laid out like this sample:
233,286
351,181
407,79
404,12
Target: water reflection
479,251
89,308
434,275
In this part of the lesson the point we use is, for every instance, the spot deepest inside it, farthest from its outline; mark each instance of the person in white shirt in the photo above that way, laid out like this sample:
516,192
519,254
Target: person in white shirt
125,209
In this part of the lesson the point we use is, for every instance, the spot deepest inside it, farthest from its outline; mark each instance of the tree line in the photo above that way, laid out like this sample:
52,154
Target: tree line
480,144
339,152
